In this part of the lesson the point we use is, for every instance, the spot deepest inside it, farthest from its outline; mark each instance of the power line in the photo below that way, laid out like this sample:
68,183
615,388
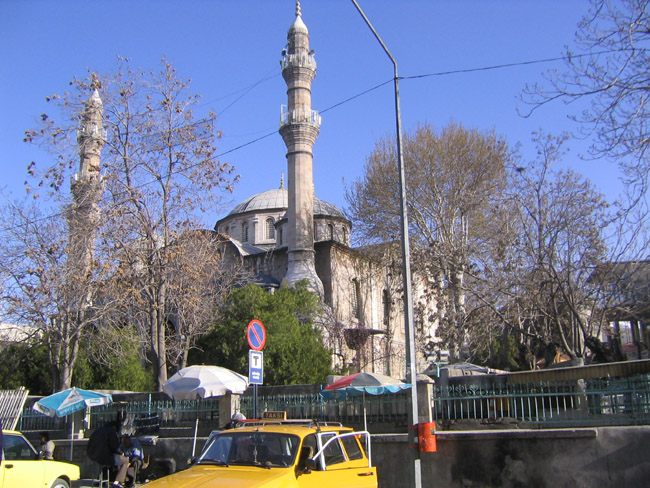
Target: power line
247,89
507,65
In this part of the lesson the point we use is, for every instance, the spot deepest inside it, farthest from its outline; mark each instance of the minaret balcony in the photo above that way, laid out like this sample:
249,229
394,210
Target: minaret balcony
298,116
92,132
298,60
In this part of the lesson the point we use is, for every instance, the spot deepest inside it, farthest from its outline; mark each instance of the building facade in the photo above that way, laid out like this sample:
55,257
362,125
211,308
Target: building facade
288,235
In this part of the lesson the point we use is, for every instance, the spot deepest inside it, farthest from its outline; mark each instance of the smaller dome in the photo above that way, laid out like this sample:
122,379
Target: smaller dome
322,207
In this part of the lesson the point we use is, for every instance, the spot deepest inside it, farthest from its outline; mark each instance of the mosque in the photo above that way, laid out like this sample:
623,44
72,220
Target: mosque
288,235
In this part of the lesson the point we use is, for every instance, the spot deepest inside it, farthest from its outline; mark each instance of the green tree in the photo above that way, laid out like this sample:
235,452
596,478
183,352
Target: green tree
294,351
28,365
123,371
455,179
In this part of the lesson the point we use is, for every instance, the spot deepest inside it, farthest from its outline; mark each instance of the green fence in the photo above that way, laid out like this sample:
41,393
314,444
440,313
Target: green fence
142,417
388,409
605,401
489,400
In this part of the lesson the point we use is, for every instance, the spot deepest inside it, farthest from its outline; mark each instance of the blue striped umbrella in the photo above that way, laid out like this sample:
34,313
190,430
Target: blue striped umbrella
68,401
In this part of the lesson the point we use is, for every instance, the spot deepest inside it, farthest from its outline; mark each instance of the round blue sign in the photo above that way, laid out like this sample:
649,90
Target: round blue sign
256,335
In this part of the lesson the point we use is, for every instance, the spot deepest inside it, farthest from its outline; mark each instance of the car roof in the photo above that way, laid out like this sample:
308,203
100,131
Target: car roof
296,427
11,432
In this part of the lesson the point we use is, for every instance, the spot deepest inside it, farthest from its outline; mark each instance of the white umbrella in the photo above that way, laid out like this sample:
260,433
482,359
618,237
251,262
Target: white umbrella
204,382
201,381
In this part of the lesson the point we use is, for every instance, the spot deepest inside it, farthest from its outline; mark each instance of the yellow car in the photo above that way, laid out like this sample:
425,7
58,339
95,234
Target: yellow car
20,466
280,454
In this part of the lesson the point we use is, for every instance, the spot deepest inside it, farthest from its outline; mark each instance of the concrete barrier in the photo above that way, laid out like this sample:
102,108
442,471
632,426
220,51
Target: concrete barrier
616,457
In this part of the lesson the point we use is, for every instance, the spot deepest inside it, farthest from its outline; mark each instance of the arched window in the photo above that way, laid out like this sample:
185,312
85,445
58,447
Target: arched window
270,228
244,232
330,232
387,306
345,236
355,298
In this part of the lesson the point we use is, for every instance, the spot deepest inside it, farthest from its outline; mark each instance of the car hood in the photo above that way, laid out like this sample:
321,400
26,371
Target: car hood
222,476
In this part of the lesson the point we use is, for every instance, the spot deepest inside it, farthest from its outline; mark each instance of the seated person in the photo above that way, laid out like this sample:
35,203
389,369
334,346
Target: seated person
132,450
103,448
47,447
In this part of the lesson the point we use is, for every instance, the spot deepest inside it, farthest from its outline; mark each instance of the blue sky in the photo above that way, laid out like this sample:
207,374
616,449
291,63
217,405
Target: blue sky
231,51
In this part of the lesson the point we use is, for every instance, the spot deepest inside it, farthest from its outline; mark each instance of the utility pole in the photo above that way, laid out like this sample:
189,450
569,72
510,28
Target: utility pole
409,330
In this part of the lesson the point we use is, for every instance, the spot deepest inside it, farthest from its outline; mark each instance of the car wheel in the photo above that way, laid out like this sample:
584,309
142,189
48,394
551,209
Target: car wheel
60,483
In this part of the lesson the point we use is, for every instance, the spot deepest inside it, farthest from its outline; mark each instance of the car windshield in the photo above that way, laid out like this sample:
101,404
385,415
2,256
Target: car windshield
265,449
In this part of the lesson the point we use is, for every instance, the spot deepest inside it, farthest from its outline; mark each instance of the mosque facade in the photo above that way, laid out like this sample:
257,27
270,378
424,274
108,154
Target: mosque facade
287,235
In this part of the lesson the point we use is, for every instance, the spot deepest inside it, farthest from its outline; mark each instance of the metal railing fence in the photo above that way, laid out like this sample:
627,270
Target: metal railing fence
559,403
142,417
391,408
603,401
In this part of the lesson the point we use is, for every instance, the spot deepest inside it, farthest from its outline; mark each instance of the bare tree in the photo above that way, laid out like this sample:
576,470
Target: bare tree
159,168
36,278
609,68
454,180
542,283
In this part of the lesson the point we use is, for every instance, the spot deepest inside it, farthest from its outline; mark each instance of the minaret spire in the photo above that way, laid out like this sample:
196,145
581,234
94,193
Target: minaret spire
299,127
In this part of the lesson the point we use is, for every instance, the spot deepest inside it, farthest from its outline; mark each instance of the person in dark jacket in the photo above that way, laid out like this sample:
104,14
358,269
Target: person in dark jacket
104,448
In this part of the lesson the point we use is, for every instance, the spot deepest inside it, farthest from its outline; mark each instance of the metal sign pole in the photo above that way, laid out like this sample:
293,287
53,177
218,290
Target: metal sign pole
256,336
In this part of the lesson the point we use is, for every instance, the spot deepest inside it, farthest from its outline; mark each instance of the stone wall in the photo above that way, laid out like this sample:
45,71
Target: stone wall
603,457
595,457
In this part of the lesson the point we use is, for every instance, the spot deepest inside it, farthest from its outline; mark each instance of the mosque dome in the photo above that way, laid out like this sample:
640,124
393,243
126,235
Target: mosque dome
278,199
261,221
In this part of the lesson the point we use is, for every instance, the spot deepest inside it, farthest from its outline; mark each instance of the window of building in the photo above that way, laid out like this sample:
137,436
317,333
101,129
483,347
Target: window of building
270,228
387,306
330,232
356,298
244,232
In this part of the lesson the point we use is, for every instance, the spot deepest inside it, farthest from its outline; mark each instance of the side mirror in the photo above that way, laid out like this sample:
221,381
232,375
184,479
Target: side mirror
310,465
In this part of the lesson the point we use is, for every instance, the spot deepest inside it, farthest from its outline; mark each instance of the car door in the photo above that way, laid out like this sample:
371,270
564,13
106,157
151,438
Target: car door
336,468
21,466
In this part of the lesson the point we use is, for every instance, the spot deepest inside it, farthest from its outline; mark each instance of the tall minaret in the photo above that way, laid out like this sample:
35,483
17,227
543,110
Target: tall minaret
299,128
86,188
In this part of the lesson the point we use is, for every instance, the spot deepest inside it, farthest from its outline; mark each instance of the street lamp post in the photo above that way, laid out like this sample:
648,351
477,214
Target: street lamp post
411,375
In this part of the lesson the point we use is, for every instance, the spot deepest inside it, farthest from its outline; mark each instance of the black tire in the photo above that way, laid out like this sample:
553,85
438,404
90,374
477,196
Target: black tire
60,483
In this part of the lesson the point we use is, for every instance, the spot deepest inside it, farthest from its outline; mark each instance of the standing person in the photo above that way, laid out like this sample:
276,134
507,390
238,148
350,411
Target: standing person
104,448
132,450
47,447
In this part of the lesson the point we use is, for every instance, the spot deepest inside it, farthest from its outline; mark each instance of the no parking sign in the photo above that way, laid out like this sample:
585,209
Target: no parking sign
256,335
